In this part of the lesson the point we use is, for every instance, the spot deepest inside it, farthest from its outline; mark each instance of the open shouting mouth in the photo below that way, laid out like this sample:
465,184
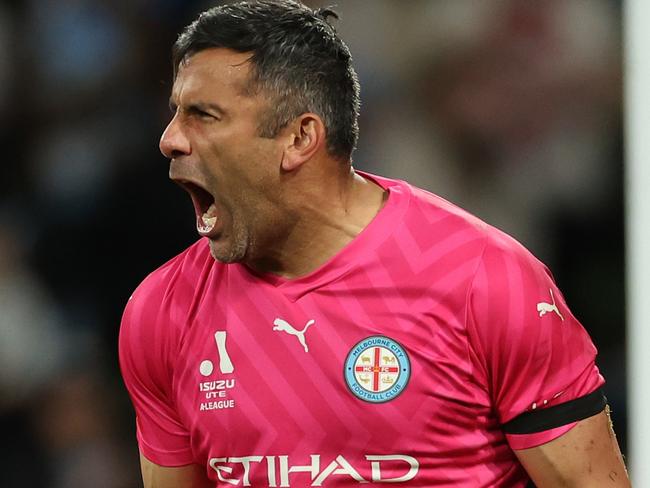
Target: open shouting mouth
204,207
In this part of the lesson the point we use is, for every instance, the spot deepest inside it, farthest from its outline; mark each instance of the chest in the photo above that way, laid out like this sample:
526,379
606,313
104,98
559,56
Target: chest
369,389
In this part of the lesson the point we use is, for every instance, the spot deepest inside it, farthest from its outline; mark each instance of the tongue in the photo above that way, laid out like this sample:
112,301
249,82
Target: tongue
206,222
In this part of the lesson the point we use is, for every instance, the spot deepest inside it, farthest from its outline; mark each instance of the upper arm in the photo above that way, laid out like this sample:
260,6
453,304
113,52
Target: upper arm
538,365
534,358
189,476
587,455
147,346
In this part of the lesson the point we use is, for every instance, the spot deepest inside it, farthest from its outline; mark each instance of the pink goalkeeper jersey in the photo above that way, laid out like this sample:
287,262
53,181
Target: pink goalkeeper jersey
423,353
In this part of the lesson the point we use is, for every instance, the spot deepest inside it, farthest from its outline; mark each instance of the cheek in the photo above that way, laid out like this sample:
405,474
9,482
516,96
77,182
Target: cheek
243,167
255,169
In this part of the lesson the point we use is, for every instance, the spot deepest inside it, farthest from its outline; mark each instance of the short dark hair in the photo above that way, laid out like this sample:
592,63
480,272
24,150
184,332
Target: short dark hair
297,59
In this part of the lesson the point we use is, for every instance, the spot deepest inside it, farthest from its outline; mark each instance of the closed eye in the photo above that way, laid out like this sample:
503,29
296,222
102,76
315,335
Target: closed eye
199,110
195,111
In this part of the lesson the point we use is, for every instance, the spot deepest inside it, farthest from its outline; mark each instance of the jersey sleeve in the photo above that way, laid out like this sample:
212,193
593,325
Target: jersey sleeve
534,357
146,352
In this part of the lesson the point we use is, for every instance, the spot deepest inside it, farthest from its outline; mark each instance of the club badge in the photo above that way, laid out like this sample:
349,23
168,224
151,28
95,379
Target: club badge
377,369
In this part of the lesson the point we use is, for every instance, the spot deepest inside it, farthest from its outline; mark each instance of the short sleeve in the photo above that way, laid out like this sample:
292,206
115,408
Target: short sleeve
146,354
534,357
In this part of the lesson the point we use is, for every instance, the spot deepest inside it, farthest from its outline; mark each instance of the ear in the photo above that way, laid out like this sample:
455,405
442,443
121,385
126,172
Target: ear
306,137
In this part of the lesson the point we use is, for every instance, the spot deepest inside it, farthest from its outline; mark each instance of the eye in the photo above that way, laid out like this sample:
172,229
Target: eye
205,115
202,114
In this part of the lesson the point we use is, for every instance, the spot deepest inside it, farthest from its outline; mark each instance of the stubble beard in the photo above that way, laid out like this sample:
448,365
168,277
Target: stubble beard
232,250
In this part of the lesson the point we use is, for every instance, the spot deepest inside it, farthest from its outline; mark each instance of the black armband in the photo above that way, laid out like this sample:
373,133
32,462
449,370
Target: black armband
558,415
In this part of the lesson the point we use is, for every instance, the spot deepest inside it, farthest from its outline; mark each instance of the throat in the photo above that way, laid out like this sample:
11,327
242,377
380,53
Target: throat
318,234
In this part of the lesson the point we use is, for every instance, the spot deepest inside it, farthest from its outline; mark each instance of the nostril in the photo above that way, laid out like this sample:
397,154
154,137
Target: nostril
175,153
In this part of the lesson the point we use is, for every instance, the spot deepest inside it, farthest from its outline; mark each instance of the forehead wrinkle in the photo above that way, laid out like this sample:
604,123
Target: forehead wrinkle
197,87
221,76
228,67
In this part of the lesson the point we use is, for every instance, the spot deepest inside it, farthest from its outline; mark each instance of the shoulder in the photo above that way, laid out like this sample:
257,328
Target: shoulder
497,247
174,280
503,276
508,284
440,229
153,318
441,211
425,215
188,264
508,266
165,295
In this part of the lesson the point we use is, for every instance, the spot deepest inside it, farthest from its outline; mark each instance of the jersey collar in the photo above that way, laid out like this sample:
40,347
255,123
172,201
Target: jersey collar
356,252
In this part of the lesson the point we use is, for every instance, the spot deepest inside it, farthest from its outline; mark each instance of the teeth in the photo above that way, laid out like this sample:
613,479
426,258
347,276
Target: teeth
208,220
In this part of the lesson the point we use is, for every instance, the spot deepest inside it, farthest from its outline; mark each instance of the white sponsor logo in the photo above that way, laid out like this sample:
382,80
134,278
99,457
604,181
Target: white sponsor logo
285,326
215,392
225,364
236,470
544,308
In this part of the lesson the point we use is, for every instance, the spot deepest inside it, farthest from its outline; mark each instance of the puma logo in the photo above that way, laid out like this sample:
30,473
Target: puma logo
544,308
285,326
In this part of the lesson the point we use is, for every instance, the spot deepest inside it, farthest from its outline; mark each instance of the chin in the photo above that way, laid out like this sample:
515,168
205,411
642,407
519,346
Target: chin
225,253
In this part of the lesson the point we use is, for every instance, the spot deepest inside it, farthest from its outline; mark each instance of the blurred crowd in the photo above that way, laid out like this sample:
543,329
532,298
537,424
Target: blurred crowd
509,108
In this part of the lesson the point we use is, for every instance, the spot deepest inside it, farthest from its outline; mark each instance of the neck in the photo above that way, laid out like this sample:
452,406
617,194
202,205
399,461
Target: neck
326,211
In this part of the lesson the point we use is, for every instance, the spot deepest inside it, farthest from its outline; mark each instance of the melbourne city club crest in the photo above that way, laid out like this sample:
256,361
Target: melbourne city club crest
377,369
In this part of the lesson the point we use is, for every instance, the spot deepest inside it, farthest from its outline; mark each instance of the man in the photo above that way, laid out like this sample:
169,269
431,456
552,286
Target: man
332,327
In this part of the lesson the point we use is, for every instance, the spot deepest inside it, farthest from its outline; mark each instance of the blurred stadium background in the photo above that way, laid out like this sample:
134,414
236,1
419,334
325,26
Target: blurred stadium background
509,108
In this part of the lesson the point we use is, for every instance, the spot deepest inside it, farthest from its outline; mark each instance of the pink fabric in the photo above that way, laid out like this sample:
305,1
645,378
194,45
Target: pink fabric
254,407
526,441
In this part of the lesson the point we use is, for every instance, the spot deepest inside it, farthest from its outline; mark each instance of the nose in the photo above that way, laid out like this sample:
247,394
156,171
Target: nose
173,142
